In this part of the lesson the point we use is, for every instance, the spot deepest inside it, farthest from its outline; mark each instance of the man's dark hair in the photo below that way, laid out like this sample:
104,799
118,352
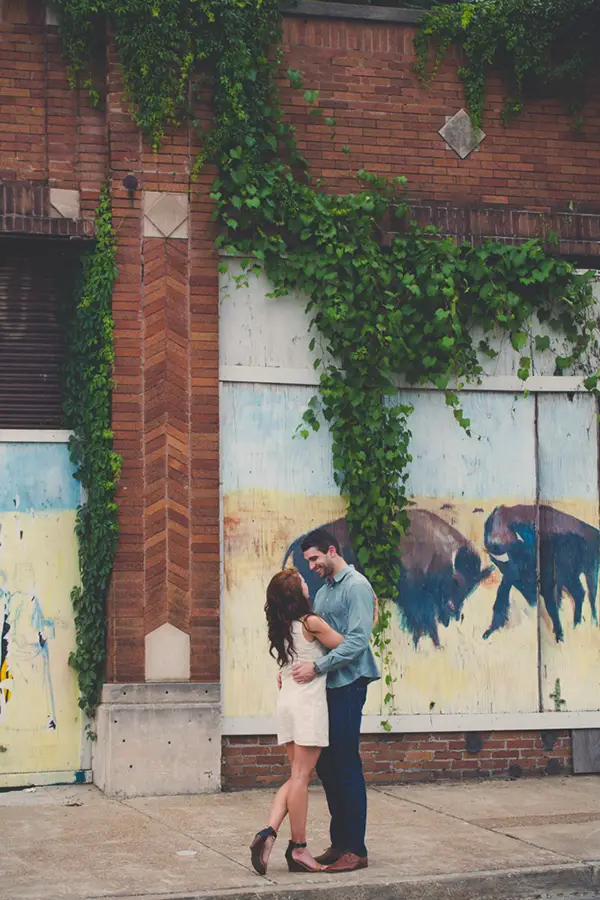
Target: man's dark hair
321,540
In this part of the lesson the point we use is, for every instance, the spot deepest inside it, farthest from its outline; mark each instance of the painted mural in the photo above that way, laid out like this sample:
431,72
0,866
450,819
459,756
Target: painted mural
440,568
40,722
497,597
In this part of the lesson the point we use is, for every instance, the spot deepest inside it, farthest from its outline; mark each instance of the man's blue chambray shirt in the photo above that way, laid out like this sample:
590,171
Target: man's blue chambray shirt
347,603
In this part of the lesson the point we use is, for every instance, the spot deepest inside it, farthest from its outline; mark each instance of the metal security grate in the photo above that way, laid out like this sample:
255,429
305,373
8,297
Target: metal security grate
34,290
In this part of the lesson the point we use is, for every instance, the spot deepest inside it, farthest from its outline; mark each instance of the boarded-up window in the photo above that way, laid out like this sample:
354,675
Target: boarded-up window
35,287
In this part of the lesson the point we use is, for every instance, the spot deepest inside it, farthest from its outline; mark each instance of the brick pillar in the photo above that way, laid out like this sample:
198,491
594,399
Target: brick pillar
126,608
205,468
158,724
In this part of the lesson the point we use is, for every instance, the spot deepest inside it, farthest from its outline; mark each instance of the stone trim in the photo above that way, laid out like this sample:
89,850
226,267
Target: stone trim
162,694
166,215
310,8
167,654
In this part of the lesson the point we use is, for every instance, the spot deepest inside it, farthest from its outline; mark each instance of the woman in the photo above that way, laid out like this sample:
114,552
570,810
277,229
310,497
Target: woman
296,634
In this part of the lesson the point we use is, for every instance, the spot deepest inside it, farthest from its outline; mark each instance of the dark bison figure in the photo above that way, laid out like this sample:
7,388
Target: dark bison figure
568,549
439,569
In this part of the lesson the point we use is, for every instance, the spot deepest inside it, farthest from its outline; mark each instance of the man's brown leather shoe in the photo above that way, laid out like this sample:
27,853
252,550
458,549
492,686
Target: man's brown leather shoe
348,862
330,855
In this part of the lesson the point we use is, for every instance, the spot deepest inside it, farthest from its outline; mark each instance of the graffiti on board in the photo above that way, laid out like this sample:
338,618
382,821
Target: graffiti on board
40,722
25,650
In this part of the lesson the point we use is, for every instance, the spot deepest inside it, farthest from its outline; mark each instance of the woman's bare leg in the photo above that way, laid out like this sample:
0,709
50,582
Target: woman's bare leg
279,808
303,764
262,845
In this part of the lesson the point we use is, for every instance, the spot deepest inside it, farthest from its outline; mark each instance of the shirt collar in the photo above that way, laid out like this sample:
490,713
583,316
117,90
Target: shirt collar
339,576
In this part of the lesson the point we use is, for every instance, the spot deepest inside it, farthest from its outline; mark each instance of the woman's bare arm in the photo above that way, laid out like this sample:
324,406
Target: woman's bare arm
316,627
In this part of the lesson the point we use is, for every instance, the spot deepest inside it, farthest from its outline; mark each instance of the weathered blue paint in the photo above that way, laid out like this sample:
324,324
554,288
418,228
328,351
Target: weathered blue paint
497,461
37,477
261,452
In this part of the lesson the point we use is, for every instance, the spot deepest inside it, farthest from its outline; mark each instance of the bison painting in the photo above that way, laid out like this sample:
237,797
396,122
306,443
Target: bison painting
568,550
440,568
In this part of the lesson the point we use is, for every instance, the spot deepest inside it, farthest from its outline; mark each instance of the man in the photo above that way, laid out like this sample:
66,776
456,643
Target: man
347,603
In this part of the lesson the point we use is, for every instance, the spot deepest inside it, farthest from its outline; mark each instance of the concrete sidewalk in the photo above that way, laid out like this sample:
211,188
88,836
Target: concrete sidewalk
492,839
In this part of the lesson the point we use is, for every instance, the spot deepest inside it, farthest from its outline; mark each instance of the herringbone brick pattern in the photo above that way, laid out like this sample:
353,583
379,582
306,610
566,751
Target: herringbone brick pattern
166,434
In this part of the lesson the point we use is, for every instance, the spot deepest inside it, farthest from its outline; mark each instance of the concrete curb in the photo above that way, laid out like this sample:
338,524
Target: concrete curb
579,879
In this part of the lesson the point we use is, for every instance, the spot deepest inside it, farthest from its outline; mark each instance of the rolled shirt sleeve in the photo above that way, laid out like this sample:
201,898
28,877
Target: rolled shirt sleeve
361,608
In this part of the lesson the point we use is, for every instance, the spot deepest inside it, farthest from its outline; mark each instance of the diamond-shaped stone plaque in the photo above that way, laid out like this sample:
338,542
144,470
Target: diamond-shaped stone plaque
165,215
460,134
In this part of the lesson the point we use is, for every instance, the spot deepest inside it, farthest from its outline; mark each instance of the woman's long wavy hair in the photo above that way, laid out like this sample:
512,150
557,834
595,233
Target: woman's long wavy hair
285,604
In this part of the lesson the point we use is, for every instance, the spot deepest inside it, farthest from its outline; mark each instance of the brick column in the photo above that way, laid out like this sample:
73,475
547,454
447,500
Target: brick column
126,611
158,724
205,469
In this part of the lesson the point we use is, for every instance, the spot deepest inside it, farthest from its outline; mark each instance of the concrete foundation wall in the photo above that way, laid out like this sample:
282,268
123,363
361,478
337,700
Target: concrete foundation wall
158,739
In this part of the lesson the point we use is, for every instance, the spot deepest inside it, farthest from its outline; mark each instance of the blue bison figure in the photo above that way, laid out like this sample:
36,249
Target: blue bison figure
568,549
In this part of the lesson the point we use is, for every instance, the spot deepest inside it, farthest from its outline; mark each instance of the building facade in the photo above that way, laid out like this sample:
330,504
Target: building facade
210,385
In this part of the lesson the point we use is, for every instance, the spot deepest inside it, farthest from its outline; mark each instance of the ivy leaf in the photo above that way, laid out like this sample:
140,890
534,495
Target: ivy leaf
295,77
518,340
311,97
542,343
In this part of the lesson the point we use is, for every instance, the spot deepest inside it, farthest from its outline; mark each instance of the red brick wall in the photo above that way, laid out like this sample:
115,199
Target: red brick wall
49,132
364,73
249,762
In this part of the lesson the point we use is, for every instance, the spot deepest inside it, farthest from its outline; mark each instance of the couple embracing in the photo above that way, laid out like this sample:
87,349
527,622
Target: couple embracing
323,651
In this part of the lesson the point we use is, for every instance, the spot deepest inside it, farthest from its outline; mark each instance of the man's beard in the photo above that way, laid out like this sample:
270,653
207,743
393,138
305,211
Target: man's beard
327,570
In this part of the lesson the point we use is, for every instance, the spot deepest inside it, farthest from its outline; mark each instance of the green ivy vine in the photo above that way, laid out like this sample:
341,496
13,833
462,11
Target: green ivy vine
540,47
87,407
407,312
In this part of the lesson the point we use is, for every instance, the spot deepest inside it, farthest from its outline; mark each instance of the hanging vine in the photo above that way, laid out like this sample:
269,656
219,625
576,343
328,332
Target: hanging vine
87,406
540,47
409,311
